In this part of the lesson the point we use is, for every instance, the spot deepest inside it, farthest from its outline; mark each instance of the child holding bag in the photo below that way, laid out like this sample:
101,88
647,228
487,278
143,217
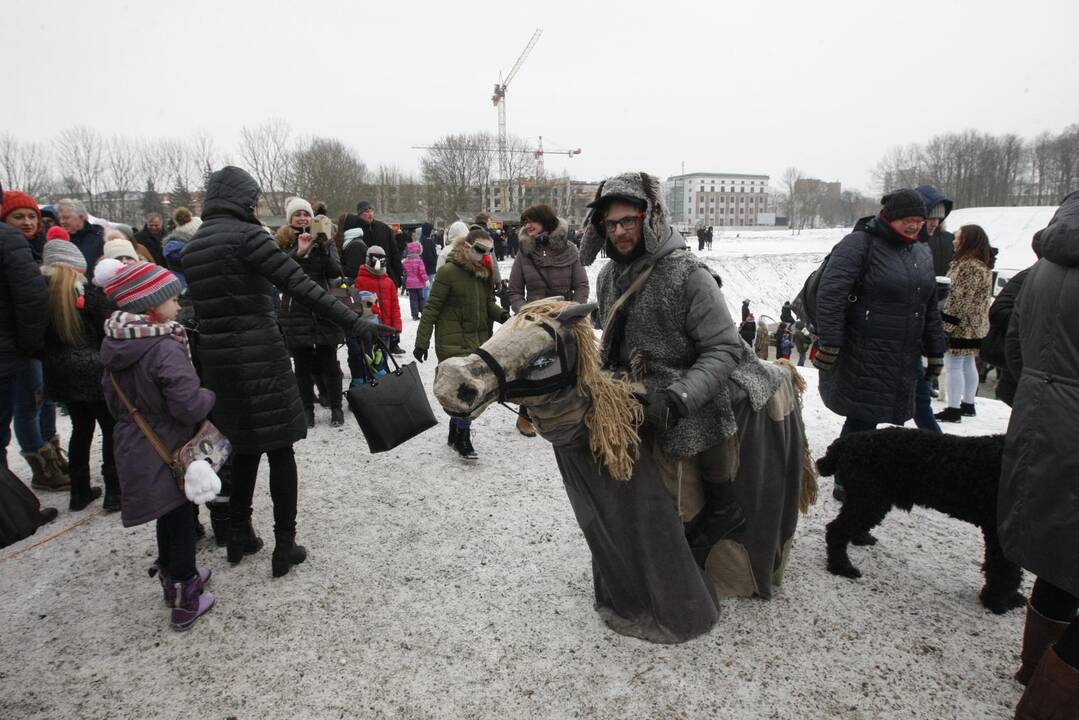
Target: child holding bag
147,358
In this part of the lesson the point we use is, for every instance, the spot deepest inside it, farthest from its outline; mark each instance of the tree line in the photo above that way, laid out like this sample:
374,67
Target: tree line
978,169
125,178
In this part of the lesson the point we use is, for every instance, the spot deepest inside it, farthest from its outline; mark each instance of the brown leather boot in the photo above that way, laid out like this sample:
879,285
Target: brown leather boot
47,475
1039,634
61,453
1053,692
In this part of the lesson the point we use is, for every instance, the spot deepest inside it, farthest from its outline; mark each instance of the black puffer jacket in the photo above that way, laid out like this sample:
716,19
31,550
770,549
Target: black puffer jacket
23,301
232,265
1039,481
882,335
73,372
303,327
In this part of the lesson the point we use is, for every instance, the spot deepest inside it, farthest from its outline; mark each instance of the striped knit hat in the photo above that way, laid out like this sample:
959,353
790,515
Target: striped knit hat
137,287
63,252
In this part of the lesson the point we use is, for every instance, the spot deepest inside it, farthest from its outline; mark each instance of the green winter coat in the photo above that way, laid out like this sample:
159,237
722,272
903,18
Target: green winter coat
460,309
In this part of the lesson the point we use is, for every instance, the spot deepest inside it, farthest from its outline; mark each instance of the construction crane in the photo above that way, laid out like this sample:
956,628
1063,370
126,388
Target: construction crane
499,100
539,152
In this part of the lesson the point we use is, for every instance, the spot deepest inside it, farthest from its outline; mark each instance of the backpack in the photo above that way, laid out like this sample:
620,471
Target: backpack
804,304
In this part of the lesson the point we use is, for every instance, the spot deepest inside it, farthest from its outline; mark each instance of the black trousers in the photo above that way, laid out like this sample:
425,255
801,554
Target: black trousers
312,362
283,488
84,417
176,543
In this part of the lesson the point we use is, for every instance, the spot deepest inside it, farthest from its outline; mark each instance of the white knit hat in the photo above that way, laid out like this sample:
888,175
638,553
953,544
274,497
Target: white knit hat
118,248
294,205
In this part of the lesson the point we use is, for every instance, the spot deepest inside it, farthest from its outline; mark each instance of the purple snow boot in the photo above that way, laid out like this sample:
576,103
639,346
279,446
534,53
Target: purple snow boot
192,602
168,589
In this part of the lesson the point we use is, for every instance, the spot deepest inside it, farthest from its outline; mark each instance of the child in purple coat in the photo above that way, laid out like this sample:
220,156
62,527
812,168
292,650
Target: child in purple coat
146,351
415,278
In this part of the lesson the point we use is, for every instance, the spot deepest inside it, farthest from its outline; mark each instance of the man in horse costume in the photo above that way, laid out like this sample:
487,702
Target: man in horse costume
714,477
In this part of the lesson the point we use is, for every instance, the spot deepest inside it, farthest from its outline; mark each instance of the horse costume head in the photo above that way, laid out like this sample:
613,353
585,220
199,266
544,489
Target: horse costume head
547,355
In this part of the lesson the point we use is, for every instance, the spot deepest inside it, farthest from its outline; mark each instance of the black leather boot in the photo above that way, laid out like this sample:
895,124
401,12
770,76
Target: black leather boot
950,414
463,444
452,440
219,520
242,540
721,516
967,409
286,553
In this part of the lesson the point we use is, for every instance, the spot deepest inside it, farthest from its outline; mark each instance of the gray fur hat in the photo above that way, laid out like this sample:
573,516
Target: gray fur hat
636,187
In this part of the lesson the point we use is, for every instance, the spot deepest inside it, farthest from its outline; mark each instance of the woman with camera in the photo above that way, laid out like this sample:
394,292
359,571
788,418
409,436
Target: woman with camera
547,265
312,340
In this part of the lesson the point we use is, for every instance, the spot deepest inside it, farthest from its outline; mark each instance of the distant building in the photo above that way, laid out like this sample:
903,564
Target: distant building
718,199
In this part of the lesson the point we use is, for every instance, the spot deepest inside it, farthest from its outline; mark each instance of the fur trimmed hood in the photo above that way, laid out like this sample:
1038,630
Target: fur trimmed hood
637,186
458,255
556,244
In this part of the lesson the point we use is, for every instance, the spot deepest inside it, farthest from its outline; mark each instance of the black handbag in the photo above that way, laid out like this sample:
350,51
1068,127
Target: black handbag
392,408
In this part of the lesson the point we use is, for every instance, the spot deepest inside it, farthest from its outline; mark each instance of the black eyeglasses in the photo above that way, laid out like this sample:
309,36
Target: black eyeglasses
627,223
481,249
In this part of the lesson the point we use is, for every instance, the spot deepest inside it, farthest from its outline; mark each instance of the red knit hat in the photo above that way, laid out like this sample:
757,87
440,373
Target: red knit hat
16,200
137,287
57,233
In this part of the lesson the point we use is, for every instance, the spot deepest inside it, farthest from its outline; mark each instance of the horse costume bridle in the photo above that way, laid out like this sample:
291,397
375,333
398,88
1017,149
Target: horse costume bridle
565,347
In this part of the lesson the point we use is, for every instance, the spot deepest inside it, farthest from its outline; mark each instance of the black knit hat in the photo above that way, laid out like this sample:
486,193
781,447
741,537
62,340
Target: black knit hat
902,203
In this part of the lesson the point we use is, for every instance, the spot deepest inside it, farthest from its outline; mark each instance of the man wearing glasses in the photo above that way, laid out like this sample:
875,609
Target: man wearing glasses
666,325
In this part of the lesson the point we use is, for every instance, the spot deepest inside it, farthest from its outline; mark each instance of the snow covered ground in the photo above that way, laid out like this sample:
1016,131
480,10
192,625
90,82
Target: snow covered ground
441,589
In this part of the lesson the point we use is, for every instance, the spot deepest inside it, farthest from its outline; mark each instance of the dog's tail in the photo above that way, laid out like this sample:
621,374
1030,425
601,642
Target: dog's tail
826,466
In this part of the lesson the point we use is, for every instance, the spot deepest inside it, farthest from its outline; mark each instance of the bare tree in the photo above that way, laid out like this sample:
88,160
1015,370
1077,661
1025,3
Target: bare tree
790,180
326,169
267,153
25,166
458,170
122,160
204,157
81,152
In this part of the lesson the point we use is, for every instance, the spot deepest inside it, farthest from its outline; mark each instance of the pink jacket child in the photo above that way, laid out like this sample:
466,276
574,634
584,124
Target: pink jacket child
415,271
415,278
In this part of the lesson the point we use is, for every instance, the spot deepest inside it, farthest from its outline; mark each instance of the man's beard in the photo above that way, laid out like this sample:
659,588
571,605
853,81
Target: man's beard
614,254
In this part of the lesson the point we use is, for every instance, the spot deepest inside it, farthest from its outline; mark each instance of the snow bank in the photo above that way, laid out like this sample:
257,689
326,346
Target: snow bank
1010,229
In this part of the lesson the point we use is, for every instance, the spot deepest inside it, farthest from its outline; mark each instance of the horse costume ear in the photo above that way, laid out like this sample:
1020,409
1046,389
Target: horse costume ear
576,312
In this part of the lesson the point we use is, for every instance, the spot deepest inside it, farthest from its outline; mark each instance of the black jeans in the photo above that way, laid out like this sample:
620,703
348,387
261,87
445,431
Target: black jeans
176,543
314,361
84,416
283,488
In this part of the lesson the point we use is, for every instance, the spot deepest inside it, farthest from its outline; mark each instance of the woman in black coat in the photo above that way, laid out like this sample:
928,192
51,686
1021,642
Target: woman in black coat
232,266
877,315
311,338
1039,482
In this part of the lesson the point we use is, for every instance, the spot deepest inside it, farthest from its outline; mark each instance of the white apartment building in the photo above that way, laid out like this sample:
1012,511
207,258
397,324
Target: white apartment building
718,199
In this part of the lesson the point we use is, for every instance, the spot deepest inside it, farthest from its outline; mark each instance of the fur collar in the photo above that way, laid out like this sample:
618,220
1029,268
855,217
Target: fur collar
556,242
459,256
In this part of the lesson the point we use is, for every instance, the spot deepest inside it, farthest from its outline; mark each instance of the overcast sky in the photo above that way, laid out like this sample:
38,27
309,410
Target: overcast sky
747,87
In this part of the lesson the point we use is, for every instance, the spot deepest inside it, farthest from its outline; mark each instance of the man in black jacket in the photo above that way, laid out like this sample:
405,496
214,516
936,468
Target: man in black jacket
151,235
379,233
23,319
89,238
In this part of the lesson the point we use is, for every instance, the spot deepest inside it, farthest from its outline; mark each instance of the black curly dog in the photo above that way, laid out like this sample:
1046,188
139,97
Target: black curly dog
902,467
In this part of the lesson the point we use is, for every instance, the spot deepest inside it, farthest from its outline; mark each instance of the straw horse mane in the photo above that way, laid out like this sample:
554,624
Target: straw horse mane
615,415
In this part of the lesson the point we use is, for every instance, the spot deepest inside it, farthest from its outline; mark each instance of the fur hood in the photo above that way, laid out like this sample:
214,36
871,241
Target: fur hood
285,236
556,241
458,255
638,186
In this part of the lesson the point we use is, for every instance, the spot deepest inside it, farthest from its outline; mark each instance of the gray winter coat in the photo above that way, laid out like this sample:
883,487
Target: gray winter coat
547,269
884,332
158,378
1039,484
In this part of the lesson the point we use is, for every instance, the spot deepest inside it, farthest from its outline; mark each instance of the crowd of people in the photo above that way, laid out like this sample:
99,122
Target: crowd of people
147,334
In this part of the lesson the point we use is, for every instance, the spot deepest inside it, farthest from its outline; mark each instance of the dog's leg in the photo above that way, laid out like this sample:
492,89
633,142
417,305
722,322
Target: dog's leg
1002,577
858,516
